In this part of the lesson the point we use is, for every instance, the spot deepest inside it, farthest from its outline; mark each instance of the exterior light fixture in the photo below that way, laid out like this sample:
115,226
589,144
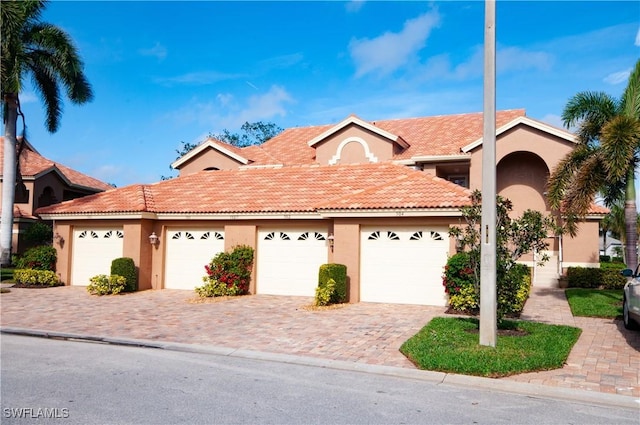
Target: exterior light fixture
58,239
331,240
154,239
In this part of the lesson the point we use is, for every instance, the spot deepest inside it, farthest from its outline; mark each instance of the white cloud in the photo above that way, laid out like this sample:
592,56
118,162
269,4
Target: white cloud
354,6
28,97
391,51
197,78
515,58
617,77
554,120
637,43
158,51
229,112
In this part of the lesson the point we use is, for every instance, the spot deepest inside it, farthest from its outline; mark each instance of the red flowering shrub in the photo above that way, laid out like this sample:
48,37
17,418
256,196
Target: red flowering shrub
459,283
229,273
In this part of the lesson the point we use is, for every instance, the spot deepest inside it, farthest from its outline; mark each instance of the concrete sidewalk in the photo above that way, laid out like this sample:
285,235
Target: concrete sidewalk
605,361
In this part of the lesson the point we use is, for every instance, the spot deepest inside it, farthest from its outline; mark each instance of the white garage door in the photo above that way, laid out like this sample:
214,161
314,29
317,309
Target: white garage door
93,252
289,260
188,251
403,265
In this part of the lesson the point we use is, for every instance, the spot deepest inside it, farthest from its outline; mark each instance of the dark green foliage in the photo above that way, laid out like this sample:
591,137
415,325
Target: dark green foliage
605,259
337,272
584,277
126,268
607,277
39,233
229,273
39,258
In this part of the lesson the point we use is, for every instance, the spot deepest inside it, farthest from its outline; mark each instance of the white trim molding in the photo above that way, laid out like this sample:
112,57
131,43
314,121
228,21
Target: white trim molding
352,119
367,152
539,125
209,143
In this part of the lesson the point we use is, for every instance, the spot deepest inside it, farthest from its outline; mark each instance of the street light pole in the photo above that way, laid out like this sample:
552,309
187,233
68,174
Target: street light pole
488,298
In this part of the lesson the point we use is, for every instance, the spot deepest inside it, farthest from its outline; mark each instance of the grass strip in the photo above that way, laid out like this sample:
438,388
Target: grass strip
605,303
452,345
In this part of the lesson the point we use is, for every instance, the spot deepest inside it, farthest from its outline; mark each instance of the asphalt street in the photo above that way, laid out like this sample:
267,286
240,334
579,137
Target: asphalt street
71,382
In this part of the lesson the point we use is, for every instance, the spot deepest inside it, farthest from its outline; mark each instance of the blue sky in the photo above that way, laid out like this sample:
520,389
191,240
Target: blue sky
165,72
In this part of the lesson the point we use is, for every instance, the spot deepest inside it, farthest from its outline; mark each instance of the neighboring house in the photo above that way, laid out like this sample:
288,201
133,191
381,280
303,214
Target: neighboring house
613,246
378,197
43,183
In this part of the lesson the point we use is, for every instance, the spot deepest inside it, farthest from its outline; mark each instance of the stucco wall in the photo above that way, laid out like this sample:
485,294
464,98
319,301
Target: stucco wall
206,159
353,151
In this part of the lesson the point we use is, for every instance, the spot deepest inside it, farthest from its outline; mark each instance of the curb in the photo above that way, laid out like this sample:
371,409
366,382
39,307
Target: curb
476,382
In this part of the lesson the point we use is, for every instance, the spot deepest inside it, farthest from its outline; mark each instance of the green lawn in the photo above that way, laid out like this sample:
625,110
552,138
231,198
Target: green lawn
450,345
605,303
6,274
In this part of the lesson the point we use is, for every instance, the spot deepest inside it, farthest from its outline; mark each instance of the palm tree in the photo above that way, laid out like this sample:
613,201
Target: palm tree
605,159
46,54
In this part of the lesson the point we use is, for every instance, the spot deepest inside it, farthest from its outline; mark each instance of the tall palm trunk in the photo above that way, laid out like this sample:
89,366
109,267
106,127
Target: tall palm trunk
8,178
631,221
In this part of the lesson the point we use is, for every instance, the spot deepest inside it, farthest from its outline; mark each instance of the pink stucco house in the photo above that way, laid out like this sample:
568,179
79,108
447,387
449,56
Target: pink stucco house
44,182
378,197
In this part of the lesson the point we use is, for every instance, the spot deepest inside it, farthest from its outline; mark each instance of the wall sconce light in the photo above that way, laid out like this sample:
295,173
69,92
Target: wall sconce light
331,240
58,239
459,243
154,239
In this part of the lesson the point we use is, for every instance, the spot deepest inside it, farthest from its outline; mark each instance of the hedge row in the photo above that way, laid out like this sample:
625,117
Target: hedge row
604,278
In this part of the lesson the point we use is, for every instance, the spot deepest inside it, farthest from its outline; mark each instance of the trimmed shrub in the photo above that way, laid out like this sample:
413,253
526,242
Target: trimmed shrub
613,266
612,279
35,277
126,268
337,272
228,274
325,292
105,285
459,276
605,259
514,290
584,277
38,258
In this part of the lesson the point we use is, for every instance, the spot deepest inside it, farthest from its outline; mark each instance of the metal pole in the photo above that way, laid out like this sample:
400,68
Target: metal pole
488,298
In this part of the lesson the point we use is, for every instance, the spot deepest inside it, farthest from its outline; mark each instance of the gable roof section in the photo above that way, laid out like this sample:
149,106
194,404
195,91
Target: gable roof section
299,189
217,145
354,120
538,125
33,165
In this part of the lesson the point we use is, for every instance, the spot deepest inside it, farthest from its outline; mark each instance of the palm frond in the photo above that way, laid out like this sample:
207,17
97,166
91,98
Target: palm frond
631,95
620,140
595,107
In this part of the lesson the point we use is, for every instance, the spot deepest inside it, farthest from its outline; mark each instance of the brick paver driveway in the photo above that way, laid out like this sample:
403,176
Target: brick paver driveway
368,333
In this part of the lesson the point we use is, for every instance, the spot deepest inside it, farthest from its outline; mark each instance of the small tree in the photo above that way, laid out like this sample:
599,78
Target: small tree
514,238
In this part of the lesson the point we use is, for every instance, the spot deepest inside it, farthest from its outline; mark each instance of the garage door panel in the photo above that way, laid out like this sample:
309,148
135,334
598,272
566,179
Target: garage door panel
403,265
93,251
289,260
187,252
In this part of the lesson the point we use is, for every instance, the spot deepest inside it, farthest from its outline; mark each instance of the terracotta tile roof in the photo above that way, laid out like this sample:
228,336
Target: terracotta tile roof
415,190
33,164
269,190
437,135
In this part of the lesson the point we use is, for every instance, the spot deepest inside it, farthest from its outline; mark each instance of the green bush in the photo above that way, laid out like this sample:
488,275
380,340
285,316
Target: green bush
613,266
104,285
605,259
337,272
325,292
584,277
39,233
35,277
459,280
612,279
229,273
514,290
38,258
126,268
